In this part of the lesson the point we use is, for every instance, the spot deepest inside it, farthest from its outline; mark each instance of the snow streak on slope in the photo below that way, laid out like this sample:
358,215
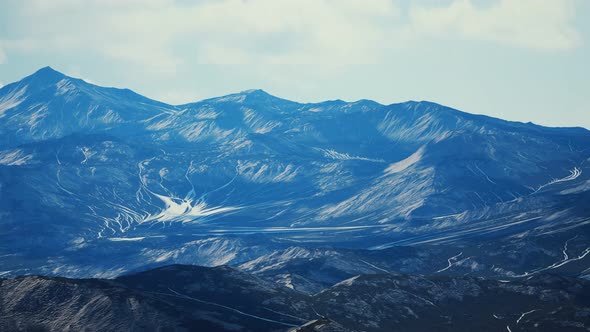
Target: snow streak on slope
451,261
524,314
566,260
574,174
402,165
14,158
184,209
211,251
260,172
228,308
11,100
330,153
399,191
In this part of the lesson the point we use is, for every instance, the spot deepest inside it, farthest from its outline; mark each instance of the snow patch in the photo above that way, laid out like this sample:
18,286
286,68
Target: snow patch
329,153
402,165
237,98
347,282
201,130
34,119
185,209
12,99
63,87
111,117
14,158
262,173
574,174
126,239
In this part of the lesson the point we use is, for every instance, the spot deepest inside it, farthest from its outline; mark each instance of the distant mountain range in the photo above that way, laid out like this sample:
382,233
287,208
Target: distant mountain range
99,182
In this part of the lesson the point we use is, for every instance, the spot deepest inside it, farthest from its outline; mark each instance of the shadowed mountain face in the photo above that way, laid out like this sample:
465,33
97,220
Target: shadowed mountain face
190,298
98,181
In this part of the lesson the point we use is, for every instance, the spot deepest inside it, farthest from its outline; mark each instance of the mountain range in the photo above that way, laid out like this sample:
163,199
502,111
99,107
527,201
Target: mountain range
102,182
189,298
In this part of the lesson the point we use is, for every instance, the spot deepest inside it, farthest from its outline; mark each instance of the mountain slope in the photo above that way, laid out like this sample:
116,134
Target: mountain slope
188,298
88,172
50,105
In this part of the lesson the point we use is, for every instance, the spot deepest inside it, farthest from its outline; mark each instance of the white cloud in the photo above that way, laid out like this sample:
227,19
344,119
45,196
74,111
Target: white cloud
267,31
2,54
162,35
159,33
537,24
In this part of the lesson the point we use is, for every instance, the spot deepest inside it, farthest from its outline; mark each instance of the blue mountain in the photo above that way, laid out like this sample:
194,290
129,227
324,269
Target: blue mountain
98,181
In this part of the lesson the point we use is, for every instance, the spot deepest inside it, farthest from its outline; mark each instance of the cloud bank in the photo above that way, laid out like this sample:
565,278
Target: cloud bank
165,34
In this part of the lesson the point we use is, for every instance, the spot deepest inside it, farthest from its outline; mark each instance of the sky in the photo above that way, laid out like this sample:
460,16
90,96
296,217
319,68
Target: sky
521,60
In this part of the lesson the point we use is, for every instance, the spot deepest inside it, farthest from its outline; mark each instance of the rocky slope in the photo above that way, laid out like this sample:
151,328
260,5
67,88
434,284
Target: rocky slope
189,298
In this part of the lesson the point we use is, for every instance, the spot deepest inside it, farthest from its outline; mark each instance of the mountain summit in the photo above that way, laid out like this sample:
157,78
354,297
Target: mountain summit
49,104
45,75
